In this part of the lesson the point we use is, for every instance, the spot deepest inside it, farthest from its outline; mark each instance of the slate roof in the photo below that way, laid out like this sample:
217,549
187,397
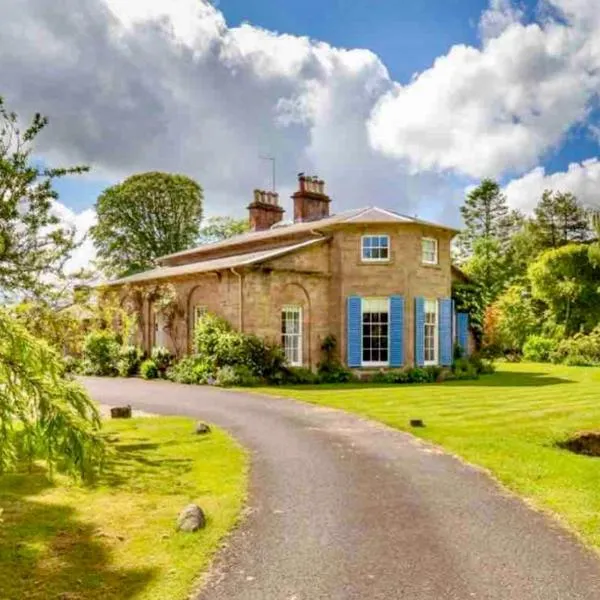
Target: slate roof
370,214
217,264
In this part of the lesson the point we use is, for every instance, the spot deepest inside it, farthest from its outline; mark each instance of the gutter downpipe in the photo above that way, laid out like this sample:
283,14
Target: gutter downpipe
241,299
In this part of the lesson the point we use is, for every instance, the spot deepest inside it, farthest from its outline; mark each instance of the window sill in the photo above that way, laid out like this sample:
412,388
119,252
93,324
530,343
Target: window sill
374,365
431,265
370,263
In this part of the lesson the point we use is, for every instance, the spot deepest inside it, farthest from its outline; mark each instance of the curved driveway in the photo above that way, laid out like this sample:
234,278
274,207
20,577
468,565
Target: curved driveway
346,509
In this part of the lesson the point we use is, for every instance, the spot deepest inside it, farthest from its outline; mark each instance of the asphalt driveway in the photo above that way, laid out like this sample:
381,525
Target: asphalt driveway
345,509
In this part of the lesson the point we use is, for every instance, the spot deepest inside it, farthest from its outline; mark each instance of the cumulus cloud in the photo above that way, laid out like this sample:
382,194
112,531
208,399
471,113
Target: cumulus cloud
581,179
485,111
134,85
81,224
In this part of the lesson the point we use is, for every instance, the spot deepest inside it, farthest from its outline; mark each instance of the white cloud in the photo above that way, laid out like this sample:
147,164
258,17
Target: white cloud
581,179
485,111
133,85
81,222
500,15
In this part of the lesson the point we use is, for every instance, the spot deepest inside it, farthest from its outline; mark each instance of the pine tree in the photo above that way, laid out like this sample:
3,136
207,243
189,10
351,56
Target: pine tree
559,220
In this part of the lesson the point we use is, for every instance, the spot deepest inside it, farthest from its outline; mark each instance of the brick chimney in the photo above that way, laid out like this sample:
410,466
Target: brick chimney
265,210
310,201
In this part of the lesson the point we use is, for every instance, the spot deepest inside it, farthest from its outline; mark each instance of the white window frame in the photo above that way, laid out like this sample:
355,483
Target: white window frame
425,260
436,332
366,307
293,309
374,260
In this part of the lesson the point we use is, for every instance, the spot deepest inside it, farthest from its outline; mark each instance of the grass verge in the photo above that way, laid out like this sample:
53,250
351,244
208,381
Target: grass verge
117,539
508,423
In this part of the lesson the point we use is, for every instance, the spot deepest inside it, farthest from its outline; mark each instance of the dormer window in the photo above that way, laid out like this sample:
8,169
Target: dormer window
429,251
375,248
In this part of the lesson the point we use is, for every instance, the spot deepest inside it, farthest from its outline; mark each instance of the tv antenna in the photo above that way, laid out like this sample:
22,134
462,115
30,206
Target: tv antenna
273,172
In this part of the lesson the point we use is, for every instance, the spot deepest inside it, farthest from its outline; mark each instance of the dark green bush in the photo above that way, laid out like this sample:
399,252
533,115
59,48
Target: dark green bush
335,373
148,369
538,348
130,358
298,376
100,353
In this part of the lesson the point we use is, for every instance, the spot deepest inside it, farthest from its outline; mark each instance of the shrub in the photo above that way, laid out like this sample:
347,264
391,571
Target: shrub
100,353
299,376
209,330
191,370
163,359
538,348
148,369
72,365
129,361
464,368
238,376
418,375
219,346
580,350
335,373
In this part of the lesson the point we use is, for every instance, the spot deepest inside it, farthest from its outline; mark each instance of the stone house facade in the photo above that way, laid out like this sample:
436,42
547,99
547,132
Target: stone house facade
380,282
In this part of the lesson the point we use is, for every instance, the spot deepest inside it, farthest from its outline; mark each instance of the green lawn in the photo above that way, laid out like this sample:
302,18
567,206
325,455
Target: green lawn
117,540
508,422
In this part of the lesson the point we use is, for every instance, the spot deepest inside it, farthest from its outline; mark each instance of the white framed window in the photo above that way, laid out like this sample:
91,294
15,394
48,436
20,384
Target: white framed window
375,248
291,334
429,251
375,332
430,336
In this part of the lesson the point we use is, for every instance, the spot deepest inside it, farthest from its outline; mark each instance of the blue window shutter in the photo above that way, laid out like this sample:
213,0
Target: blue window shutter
396,331
445,331
354,318
462,331
420,331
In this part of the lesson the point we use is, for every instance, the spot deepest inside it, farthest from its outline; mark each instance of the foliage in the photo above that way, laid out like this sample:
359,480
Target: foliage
163,359
515,317
566,280
538,348
236,376
580,350
130,358
191,370
488,266
222,228
560,220
298,376
34,245
330,369
486,216
59,327
42,414
101,353
469,298
147,216
149,370
219,346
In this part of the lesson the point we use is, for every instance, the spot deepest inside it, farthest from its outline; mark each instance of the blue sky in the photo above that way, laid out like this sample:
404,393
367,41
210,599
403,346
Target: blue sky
403,104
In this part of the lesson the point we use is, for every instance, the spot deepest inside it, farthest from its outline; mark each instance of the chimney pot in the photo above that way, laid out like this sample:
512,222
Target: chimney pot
264,211
310,201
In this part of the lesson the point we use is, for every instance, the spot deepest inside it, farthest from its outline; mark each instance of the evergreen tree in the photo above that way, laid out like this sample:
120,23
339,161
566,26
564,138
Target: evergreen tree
486,216
559,220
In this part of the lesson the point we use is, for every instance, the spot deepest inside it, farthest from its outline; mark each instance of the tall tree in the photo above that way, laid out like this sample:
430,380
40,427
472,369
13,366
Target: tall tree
485,215
566,280
147,216
559,220
34,246
222,228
